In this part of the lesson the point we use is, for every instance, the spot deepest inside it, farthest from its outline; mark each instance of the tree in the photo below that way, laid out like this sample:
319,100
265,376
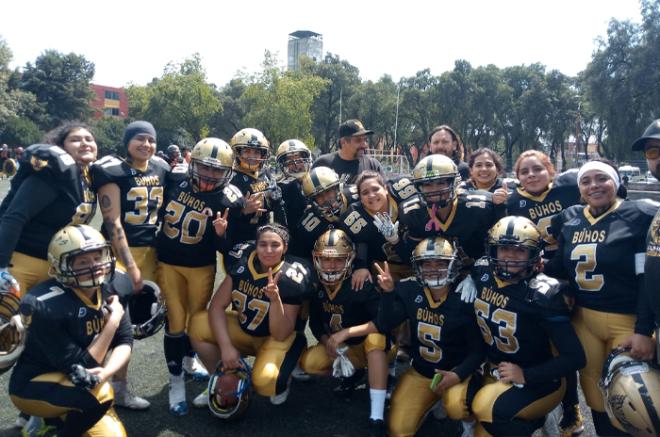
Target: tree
109,133
230,120
61,83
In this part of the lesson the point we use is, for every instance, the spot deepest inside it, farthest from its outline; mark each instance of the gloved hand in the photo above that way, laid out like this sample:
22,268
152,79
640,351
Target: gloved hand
342,366
8,284
467,289
389,230
80,377
274,192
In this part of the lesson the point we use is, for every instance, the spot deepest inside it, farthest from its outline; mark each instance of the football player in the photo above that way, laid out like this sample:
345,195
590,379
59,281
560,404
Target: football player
342,322
441,209
51,189
131,192
265,289
197,212
78,337
601,253
261,192
294,160
522,315
445,341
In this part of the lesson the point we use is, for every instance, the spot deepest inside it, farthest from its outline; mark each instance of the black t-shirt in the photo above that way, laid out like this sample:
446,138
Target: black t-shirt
348,170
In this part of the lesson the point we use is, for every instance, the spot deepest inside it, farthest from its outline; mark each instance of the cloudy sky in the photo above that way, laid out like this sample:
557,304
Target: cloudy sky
131,41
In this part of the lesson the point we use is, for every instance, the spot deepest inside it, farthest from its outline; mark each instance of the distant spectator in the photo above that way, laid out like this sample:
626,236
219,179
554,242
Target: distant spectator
444,140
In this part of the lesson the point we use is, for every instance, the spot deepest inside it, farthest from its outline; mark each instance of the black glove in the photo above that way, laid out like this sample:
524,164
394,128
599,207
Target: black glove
82,378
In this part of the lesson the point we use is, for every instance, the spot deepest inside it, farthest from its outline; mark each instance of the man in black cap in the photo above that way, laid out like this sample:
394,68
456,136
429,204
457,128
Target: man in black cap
649,143
350,160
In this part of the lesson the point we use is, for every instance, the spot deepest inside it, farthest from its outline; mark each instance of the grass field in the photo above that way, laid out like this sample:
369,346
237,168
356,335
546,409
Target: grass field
312,409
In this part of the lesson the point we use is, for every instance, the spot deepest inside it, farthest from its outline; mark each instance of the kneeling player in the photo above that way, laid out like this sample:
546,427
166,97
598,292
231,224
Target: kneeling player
266,290
78,337
342,317
445,340
522,315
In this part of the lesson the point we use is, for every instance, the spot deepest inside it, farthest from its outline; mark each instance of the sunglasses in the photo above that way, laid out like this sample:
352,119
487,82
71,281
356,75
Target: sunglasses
652,152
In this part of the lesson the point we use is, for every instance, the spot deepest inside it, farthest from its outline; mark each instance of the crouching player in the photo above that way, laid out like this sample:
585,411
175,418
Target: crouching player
78,337
522,316
266,290
341,317
446,345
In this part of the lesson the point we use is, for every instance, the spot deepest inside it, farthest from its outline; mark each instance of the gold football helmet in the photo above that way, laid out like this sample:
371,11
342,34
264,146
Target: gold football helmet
74,240
215,159
294,158
253,139
631,389
12,331
317,182
514,231
435,249
334,244
431,171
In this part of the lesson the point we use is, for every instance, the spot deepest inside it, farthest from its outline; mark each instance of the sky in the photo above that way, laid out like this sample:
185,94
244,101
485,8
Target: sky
132,41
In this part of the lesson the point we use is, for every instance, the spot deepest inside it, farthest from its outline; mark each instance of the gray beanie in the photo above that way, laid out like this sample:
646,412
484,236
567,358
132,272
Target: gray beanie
136,128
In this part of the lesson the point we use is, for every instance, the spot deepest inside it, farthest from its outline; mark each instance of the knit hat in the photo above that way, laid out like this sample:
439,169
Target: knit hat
137,128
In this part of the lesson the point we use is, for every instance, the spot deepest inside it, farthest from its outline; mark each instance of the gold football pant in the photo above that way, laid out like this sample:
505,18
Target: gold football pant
599,332
316,361
413,397
28,270
274,360
187,291
146,260
506,410
53,395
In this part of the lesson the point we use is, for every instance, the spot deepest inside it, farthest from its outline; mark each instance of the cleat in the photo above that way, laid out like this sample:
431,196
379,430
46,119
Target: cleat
125,399
376,428
350,384
280,398
572,422
194,369
177,395
202,399
300,375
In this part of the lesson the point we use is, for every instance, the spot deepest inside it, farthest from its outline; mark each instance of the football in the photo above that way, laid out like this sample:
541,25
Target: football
225,390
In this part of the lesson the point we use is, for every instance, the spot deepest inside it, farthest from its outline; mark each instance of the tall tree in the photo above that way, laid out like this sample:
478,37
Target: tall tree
60,83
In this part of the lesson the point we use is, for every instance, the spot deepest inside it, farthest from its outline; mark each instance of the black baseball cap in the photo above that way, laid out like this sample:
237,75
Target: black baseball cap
352,128
652,132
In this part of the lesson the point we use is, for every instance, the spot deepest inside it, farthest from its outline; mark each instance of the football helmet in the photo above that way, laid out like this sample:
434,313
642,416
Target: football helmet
631,389
147,310
519,232
439,249
12,331
215,159
321,180
9,167
292,166
431,170
72,241
334,243
233,410
253,139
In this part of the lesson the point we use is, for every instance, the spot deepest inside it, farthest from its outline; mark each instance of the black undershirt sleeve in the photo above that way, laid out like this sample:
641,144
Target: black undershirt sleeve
477,354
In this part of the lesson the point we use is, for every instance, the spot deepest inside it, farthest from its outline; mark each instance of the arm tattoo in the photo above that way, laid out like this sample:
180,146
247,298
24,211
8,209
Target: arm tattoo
105,202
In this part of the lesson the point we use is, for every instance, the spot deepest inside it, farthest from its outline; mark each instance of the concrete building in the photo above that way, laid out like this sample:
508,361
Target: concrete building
304,42
109,101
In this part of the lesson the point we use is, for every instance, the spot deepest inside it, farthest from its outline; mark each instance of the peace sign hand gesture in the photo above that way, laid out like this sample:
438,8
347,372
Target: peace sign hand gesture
220,223
271,290
385,281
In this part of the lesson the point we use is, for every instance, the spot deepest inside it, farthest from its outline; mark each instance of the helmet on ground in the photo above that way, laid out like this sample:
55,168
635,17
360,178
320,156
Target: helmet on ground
12,331
229,391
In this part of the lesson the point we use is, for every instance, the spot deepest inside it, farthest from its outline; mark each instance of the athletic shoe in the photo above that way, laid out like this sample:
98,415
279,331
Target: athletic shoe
572,422
376,428
350,384
202,399
36,427
300,375
280,398
468,428
177,395
194,368
21,420
125,399
551,424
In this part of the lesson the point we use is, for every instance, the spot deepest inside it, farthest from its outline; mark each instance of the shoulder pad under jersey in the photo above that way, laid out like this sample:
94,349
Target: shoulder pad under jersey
48,158
569,177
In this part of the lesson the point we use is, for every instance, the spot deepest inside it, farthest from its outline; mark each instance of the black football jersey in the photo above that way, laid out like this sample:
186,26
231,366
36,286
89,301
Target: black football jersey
401,189
313,224
61,324
187,236
333,310
603,256
50,192
256,183
141,195
443,335
652,267
295,201
471,216
521,321
248,300
470,186
562,193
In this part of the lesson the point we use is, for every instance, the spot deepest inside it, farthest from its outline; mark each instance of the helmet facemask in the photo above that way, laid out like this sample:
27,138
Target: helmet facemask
252,164
93,276
332,276
510,269
295,167
436,277
211,180
440,197
332,206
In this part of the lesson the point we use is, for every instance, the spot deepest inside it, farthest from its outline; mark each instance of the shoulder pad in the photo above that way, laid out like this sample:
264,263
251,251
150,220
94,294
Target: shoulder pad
107,168
241,249
233,196
160,162
648,206
50,158
476,199
350,192
401,188
545,292
511,183
569,177
176,176
482,262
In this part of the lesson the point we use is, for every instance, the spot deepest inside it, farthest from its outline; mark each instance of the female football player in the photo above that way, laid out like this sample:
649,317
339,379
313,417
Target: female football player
197,212
485,170
294,160
601,253
51,189
445,340
265,288
340,317
522,315
131,192
78,337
